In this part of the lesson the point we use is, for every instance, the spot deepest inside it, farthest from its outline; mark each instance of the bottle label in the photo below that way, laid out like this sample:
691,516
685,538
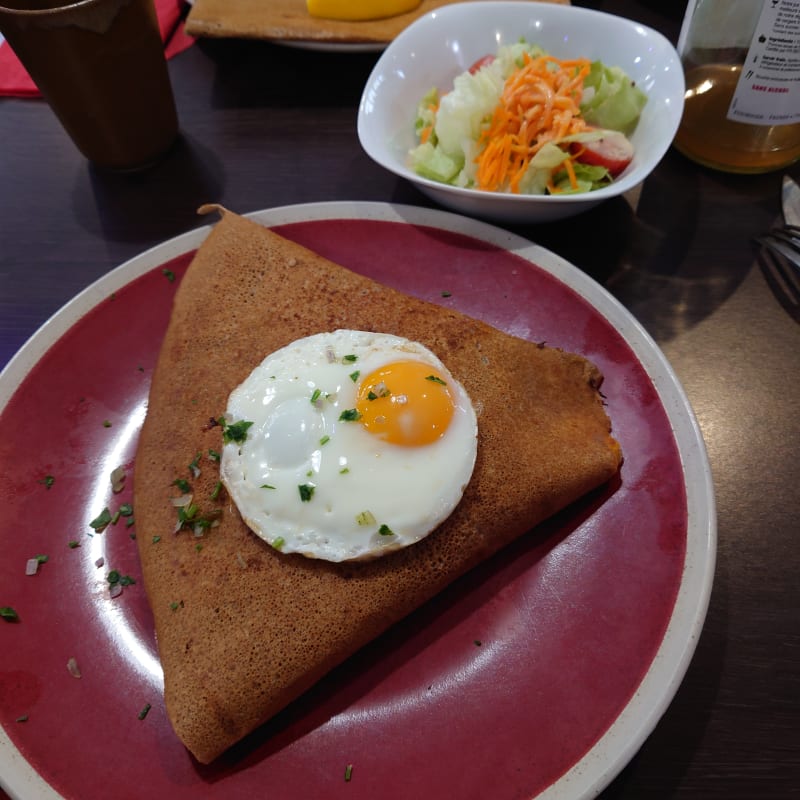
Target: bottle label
768,91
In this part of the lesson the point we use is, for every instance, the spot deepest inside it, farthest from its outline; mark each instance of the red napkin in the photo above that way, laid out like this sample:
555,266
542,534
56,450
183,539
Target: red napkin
15,81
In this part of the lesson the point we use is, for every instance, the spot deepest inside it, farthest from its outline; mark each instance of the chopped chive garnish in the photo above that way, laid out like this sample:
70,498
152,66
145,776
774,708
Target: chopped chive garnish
8,614
354,375
435,379
266,486
325,439
72,544
217,490
350,415
279,543
42,559
385,530
350,359
306,491
371,395
315,395
143,713
213,455
156,539
447,294
168,274
348,772
47,481
344,470
126,509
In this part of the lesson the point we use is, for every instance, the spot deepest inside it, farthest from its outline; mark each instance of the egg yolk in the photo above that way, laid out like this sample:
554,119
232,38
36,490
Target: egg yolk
406,403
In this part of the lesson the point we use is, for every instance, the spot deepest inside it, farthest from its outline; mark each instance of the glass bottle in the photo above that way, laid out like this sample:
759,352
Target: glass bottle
741,59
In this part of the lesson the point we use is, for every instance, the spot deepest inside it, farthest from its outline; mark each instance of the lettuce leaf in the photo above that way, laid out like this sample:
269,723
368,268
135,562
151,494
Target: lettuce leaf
611,100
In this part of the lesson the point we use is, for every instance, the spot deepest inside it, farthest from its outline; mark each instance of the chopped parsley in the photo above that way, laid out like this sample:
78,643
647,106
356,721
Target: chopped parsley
350,415
234,431
349,359
168,274
47,481
73,543
194,467
156,539
306,491
115,577
366,518
8,614
354,375
183,485
102,521
385,530
382,391
106,423
188,517
126,510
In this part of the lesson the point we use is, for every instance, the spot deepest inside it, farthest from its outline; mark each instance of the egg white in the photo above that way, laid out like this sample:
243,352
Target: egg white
364,497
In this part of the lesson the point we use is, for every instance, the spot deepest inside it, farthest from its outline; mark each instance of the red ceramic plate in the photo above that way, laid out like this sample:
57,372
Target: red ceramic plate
539,674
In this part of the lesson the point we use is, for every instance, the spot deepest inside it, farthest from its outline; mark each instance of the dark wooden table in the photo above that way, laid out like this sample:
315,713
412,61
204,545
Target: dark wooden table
265,125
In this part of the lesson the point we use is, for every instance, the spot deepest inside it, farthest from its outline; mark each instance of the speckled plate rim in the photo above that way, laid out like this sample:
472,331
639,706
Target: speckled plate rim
592,773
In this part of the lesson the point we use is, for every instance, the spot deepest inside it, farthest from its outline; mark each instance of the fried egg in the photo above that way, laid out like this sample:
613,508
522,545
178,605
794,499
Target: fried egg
348,445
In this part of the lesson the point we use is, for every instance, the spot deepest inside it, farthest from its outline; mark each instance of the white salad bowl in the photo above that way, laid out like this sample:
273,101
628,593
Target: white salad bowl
446,42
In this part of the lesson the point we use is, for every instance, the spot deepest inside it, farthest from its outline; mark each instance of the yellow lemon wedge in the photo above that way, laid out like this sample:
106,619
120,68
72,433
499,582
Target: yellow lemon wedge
358,10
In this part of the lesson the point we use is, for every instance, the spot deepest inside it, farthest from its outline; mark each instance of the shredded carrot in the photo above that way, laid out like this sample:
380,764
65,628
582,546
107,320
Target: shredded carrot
540,103
426,132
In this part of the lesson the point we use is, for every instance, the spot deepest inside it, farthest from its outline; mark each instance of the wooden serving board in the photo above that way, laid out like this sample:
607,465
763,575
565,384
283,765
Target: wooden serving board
289,20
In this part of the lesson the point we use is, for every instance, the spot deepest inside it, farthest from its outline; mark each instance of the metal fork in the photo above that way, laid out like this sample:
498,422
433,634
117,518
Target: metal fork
785,240
779,259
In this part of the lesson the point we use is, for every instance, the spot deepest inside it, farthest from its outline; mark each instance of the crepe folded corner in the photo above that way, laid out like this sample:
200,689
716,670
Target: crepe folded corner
243,629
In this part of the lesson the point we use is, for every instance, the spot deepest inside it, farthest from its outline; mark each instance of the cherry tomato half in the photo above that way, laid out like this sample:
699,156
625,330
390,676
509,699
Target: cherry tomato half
614,152
481,62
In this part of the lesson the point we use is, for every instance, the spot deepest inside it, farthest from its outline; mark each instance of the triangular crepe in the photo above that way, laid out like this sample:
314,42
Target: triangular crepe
242,629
